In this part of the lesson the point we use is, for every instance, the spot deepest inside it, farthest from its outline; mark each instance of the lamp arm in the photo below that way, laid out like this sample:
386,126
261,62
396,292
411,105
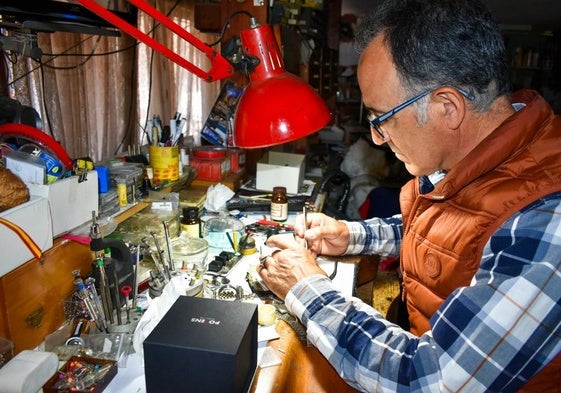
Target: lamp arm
220,68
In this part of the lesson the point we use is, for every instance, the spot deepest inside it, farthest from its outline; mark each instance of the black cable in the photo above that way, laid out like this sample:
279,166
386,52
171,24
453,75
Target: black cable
88,57
227,24
43,63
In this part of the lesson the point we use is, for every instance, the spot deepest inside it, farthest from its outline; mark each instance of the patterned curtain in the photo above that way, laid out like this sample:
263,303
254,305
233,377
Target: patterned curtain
95,93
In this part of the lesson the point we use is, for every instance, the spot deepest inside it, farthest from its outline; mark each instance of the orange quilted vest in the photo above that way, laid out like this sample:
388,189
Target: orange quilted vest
445,230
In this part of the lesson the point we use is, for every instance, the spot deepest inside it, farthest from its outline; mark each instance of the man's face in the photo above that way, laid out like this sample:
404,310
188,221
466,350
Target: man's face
419,146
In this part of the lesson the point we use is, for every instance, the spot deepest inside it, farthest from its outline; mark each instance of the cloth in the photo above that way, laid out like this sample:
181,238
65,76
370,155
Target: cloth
488,336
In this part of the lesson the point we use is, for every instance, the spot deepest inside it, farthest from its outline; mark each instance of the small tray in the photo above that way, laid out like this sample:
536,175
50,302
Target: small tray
99,385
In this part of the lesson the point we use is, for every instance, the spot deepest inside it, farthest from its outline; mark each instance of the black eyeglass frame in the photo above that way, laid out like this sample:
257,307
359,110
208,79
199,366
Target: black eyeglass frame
375,123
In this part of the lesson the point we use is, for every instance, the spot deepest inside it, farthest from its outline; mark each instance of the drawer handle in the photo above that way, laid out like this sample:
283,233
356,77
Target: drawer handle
34,319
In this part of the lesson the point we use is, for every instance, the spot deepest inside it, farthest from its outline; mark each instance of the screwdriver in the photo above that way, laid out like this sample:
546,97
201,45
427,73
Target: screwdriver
126,290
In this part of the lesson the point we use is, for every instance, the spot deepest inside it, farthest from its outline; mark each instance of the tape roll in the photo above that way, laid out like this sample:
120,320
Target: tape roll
53,166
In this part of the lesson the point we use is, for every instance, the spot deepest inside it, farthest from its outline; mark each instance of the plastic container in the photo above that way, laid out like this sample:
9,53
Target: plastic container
190,253
211,163
223,233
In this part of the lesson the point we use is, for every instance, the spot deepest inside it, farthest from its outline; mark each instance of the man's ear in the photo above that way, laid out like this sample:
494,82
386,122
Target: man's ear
453,106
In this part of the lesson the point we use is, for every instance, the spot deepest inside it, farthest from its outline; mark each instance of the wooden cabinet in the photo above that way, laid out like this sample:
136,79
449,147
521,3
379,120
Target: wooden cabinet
208,16
32,296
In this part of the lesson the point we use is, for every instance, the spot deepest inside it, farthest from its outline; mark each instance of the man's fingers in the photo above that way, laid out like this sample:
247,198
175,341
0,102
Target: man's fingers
283,241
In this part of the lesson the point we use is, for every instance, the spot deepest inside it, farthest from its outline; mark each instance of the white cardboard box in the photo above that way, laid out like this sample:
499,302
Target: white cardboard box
70,203
280,169
34,218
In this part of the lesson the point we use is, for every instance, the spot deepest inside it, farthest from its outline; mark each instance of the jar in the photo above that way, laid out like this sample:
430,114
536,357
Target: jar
190,223
190,253
223,233
191,262
279,204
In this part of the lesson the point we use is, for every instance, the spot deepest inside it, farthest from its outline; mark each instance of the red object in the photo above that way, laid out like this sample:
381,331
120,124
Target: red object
210,162
210,152
220,66
275,224
18,130
276,107
126,290
237,160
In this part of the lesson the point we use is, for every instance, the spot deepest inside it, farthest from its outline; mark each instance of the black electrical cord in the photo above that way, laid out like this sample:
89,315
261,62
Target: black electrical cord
227,24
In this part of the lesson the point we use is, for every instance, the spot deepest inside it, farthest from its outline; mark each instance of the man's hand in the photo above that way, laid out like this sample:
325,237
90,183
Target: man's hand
323,234
283,269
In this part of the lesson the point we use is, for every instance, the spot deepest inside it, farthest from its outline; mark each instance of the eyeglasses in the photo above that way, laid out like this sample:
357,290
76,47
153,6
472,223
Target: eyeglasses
376,121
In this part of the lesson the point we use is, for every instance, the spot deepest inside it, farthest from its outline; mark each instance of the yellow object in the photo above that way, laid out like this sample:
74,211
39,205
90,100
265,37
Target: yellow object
165,163
122,194
249,251
266,314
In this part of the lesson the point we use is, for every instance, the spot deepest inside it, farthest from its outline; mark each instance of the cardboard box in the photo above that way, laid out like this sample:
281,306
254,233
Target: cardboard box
202,345
280,169
34,218
70,203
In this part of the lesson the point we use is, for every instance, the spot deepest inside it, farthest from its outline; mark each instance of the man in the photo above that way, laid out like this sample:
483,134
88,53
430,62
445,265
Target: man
479,236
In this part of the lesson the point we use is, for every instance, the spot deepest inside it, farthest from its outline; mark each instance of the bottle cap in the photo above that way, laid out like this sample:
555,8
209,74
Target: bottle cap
279,189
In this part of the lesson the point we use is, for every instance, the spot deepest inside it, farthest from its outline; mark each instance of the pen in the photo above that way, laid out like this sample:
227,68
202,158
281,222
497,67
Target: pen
305,213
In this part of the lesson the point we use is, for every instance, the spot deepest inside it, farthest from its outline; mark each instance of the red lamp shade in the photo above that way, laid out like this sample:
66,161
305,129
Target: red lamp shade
277,106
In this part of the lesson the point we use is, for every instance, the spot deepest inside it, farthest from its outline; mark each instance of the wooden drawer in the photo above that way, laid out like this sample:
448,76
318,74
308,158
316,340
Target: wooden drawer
32,296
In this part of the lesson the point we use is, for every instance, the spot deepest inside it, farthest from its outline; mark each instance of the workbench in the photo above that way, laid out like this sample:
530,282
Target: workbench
302,367
31,298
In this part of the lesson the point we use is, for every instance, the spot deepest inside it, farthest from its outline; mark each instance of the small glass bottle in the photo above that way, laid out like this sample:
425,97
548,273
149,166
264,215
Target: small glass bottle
279,204
190,222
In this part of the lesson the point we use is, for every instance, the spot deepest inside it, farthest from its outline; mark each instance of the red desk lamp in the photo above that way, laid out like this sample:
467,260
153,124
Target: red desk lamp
276,107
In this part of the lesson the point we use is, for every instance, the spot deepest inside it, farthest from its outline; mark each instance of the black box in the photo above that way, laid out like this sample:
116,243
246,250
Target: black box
202,345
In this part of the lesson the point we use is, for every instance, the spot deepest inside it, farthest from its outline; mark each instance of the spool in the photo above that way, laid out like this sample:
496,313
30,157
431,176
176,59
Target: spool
165,163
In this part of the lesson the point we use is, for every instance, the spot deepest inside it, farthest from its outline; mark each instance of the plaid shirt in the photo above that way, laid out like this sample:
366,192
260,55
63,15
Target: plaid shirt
490,336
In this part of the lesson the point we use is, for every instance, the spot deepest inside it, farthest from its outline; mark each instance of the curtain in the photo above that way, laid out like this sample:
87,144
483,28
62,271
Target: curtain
95,93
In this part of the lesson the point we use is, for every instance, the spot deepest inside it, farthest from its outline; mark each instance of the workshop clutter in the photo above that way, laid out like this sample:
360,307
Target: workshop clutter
120,184
61,198
33,155
218,128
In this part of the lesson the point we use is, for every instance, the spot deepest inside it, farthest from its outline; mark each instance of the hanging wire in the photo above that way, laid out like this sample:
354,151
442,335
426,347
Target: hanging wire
227,24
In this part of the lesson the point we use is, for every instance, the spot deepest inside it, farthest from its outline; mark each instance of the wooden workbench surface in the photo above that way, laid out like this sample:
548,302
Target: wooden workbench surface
303,368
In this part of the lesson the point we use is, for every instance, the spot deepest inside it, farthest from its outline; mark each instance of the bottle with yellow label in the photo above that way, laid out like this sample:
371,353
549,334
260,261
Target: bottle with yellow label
190,222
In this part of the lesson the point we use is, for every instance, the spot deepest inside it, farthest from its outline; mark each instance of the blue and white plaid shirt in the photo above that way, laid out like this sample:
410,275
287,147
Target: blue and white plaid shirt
490,336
